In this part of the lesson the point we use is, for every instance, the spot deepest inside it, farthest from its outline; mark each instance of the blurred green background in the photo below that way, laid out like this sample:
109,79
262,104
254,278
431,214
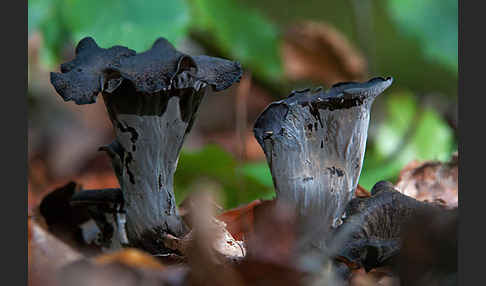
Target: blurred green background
412,40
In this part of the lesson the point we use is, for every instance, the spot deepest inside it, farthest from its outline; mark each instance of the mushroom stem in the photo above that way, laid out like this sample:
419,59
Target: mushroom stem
152,99
150,140
314,142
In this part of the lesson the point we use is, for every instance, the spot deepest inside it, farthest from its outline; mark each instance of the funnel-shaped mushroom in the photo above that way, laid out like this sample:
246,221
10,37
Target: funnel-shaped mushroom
314,142
152,99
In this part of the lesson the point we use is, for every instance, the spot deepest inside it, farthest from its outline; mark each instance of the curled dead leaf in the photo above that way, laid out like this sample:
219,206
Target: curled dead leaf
431,181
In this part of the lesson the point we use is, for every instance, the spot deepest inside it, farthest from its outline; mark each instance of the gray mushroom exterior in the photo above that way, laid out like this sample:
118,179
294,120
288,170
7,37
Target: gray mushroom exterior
152,100
314,142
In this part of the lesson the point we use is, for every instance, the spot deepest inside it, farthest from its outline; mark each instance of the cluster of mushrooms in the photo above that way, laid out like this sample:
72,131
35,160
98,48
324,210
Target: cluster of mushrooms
314,142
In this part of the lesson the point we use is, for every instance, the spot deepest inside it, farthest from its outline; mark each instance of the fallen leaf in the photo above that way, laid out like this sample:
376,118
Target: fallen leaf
204,194
274,236
373,278
121,272
130,257
431,181
361,192
316,51
254,272
223,243
98,180
359,277
239,221
46,255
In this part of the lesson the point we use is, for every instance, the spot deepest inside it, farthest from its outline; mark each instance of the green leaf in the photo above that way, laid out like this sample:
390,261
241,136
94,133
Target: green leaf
213,163
46,17
430,139
434,23
242,33
132,23
258,171
38,11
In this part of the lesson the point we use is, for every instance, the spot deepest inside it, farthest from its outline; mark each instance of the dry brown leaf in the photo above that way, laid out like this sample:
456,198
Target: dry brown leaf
384,276
98,180
91,180
270,242
256,272
46,255
361,278
316,51
208,236
130,257
431,181
121,272
239,221
274,237
361,192
223,243
205,192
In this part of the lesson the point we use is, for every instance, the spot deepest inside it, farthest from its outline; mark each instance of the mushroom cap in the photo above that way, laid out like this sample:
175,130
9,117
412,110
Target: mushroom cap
161,68
340,96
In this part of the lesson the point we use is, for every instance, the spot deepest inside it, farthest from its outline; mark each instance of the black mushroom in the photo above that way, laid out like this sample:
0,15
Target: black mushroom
152,99
314,142
392,229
